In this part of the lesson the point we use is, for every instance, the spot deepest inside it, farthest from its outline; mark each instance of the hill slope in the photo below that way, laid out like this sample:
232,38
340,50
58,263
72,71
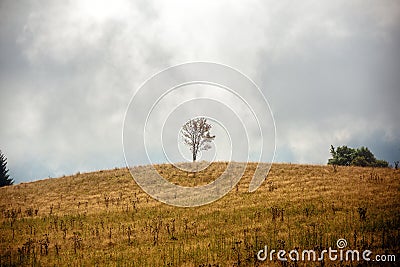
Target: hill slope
104,218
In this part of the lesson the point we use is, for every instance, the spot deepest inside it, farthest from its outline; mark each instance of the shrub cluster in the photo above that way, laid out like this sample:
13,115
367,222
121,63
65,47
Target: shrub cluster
347,156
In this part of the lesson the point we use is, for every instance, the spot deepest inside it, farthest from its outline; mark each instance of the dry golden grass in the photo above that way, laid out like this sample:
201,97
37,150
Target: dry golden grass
104,218
192,174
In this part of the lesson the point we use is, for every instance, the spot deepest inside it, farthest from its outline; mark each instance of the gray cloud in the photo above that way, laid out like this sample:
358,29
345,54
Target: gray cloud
68,71
339,88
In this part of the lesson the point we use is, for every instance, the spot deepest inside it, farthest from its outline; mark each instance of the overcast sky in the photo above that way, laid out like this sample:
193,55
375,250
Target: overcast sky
68,69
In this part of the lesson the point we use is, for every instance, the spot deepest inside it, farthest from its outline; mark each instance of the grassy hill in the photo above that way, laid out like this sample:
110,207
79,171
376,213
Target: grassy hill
104,218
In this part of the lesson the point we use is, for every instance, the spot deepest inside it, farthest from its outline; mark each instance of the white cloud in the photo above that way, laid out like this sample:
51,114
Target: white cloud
68,70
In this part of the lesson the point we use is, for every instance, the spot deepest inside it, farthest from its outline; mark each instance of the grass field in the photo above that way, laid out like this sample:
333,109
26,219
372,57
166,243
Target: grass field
104,218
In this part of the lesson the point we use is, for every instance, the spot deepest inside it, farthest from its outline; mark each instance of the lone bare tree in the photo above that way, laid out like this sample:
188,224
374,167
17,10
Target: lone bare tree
196,135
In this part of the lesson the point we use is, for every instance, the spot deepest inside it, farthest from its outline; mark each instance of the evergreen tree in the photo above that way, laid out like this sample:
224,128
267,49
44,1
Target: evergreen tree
4,176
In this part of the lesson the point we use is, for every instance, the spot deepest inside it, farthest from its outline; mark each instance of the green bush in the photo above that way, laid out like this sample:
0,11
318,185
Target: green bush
347,156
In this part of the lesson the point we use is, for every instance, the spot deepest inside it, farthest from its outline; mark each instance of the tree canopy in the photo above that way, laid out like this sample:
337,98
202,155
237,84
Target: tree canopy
347,156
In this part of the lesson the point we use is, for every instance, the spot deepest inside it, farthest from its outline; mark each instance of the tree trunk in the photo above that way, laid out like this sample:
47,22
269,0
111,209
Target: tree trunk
194,152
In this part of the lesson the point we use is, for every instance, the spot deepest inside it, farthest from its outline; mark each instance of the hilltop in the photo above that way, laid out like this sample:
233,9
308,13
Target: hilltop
104,218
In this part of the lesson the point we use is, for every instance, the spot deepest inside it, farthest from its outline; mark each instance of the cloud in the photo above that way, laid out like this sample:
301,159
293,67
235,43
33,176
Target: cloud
68,70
